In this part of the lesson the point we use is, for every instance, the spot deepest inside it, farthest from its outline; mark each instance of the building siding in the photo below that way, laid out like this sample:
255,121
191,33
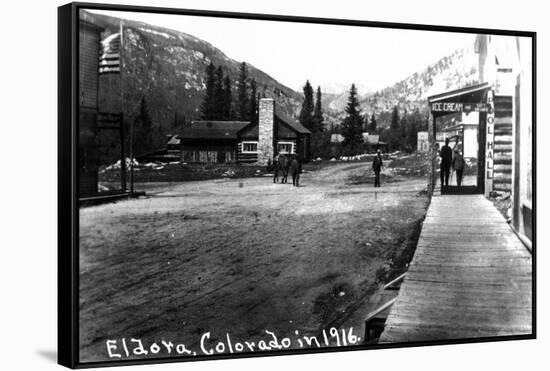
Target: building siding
88,65
267,133
208,152
245,157
87,123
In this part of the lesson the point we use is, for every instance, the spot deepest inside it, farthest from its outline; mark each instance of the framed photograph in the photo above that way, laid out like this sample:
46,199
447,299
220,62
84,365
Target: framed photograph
237,185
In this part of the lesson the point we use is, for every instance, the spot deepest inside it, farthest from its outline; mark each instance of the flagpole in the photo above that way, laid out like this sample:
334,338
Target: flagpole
123,106
122,131
131,153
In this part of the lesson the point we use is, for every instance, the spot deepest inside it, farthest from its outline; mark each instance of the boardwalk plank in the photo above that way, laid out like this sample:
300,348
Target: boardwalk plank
470,277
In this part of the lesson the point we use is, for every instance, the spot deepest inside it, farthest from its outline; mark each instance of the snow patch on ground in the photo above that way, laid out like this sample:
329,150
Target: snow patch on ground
198,55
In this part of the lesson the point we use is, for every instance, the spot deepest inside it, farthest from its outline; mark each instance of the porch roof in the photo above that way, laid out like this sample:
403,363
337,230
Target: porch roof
469,94
474,94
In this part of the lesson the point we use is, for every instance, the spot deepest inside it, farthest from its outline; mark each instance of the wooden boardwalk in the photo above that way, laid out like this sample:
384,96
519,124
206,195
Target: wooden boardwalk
470,277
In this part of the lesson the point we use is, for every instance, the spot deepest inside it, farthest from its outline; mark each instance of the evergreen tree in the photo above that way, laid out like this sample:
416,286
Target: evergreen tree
219,95
227,101
352,124
253,111
318,113
306,114
175,123
208,103
243,106
158,139
403,128
143,134
394,134
424,124
412,132
364,122
181,122
320,139
372,129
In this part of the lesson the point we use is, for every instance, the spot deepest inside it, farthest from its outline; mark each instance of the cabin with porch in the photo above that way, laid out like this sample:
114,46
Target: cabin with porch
373,143
245,141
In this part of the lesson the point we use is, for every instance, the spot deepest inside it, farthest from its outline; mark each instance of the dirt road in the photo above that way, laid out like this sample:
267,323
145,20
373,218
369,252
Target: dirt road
239,256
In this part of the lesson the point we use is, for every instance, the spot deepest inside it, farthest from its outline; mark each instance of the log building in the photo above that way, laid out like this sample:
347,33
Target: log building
245,141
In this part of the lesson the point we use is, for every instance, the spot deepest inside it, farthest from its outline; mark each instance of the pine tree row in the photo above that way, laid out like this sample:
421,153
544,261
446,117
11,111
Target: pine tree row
401,135
403,131
311,115
218,101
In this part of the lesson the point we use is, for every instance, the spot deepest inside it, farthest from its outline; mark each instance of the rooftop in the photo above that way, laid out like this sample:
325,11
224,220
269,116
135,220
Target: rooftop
214,129
290,121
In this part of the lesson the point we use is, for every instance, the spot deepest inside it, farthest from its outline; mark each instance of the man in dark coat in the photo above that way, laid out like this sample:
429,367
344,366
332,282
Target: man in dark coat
377,166
458,166
284,161
296,169
446,154
276,168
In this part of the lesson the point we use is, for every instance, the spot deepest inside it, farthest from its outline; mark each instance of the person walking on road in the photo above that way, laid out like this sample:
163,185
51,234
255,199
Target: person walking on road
446,155
276,168
284,163
296,169
377,166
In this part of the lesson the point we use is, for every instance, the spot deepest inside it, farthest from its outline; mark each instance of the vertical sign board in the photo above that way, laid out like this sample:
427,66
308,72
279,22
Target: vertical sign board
490,146
433,157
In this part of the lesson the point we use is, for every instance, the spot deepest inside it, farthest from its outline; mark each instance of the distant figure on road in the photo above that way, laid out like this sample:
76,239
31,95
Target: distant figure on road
276,168
296,169
446,159
458,165
284,164
377,166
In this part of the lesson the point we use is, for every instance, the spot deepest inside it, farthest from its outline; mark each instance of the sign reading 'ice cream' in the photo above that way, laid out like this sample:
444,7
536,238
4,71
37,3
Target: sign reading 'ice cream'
458,107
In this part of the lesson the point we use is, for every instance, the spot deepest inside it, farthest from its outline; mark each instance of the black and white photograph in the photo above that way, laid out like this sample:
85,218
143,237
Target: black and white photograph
252,186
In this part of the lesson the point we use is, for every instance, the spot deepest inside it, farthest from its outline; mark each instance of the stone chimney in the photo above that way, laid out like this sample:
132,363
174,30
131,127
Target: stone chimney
265,130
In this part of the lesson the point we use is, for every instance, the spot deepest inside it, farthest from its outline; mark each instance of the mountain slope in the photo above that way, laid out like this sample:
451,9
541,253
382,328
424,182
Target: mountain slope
451,72
167,67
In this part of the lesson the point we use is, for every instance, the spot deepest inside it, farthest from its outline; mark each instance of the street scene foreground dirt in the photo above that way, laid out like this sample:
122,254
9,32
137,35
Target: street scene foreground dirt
239,257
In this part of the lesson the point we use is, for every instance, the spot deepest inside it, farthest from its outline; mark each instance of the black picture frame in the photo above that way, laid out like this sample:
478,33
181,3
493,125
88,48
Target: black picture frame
68,175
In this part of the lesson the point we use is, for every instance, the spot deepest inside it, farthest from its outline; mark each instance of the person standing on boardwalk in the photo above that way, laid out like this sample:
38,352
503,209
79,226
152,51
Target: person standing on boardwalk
458,166
296,169
446,159
377,166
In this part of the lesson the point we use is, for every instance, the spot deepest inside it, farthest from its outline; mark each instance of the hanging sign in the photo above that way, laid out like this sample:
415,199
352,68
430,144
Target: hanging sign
107,120
459,107
109,117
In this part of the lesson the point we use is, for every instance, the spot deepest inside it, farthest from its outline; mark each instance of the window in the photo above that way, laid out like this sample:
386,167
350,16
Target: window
285,147
250,147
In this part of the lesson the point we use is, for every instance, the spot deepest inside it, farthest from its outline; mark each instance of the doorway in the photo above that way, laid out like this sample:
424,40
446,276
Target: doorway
458,138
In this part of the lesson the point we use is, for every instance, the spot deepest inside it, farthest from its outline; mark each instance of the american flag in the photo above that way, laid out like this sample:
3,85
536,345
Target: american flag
109,60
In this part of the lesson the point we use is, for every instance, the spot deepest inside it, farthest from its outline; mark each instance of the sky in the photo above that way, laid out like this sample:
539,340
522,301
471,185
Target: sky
327,55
